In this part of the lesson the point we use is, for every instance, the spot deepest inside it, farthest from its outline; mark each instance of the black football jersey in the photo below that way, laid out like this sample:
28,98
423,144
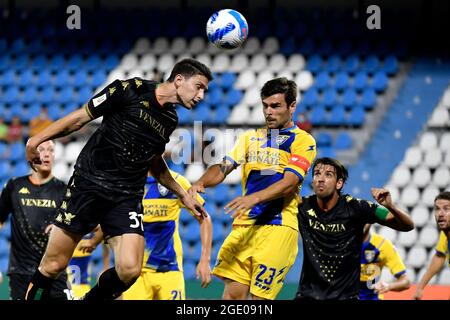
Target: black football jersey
32,208
134,129
332,246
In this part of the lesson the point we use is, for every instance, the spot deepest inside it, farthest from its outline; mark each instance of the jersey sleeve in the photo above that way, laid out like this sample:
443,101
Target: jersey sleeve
303,153
392,259
5,201
238,154
366,210
110,98
442,245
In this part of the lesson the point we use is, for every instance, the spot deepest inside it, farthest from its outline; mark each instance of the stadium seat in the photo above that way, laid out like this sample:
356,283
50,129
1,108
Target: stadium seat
256,116
194,171
444,277
428,236
270,45
356,116
276,62
318,115
191,232
324,139
417,257
178,46
251,97
337,116
433,158
189,270
421,177
349,98
420,215
322,80
258,62
227,80
295,63
220,63
165,63
304,80
314,64
196,45
21,168
351,64
409,196
428,141
251,46
428,195
380,82
371,64
72,151
390,65
310,97
360,81
368,99
245,80
343,141
333,63
160,45
407,239
441,177
263,77
341,81
440,117
388,233
413,157
239,63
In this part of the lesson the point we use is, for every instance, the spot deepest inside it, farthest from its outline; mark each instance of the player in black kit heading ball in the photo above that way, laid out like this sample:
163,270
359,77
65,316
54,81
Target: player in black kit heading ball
107,185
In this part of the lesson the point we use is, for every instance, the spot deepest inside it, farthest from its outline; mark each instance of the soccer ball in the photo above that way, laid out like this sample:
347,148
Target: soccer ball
227,29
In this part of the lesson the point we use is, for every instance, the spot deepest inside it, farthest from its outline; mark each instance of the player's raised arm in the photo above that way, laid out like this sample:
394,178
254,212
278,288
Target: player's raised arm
394,217
60,128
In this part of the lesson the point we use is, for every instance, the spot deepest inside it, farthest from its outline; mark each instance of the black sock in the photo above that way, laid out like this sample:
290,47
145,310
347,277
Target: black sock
108,287
39,287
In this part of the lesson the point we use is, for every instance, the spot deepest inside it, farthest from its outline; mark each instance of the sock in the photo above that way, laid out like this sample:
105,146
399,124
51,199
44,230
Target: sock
39,287
108,287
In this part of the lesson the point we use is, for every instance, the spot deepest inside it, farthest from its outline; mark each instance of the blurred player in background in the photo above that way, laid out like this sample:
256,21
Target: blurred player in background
263,244
442,215
162,273
331,225
80,266
107,185
378,252
32,201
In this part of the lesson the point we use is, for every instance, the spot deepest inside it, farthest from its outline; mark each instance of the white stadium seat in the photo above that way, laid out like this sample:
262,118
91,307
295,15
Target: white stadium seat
420,215
263,77
270,45
413,157
428,195
148,61
433,158
444,142
165,62
251,46
194,171
239,115
441,177
401,176
446,99
256,116
72,151
239,63
251,96
61,170
409,196
204,58
447,159
428,141
444,277
135,73
277,62
129,61
246,79
428,236
220,63
407,239
421,177
258,62
287,74
439,118
179,45
141,46
304,80
161,45
417,257
388,233
196,45
295,63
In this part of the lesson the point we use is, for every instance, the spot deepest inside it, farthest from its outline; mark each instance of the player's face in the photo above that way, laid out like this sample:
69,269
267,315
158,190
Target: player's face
442,213
277,113
325,183
47,153
191,90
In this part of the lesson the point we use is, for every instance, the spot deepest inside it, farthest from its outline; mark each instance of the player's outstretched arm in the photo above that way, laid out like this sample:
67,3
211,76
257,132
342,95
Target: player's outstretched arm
203,270
436,264
161,173
399,284
282,188
60,128
212,177
395,218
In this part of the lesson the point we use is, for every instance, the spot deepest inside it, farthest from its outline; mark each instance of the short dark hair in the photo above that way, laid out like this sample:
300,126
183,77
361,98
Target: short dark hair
190,67
341,171
280,85
444,195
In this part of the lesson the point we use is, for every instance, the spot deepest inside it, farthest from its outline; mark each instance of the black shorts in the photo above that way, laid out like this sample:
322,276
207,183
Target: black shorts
18,286
85,205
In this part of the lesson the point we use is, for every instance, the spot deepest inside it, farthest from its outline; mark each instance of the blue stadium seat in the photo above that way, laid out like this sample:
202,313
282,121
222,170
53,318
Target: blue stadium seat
185,217
62,78
70,107
65,95
47,95
217,230
75,62
307,47
232,97
111,61
329,97
4,150
360,82
8,78
337,116
306,190
4,264
349,98
43,78
351,64
29,95
21,168
323,139
5,169
54,111
322,80
34,109
214,97
343,141
202,112
5,231
98,78
314,64
26,78
11,95
57,63
333,64
288,46
368,99
227,80
390,65
80,78
17,46
380,81
222,193
39,63
93,62
190,232
221,113
328,152
189,270
311,96
356,116
5,60
318,115
371,64
341,81
84,95
21,62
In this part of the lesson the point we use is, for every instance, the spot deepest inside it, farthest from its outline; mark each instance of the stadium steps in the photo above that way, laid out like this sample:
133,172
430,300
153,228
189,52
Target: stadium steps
402,123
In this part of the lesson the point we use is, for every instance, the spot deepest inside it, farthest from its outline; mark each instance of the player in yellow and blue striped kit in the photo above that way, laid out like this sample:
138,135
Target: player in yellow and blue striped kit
162,272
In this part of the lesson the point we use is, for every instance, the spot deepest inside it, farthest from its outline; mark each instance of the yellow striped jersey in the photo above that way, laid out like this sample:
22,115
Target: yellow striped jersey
377,252
443,245
163,249
265,155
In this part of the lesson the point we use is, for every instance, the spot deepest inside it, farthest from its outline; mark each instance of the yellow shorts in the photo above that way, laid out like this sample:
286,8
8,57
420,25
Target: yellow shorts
79,290
153,285
259,256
